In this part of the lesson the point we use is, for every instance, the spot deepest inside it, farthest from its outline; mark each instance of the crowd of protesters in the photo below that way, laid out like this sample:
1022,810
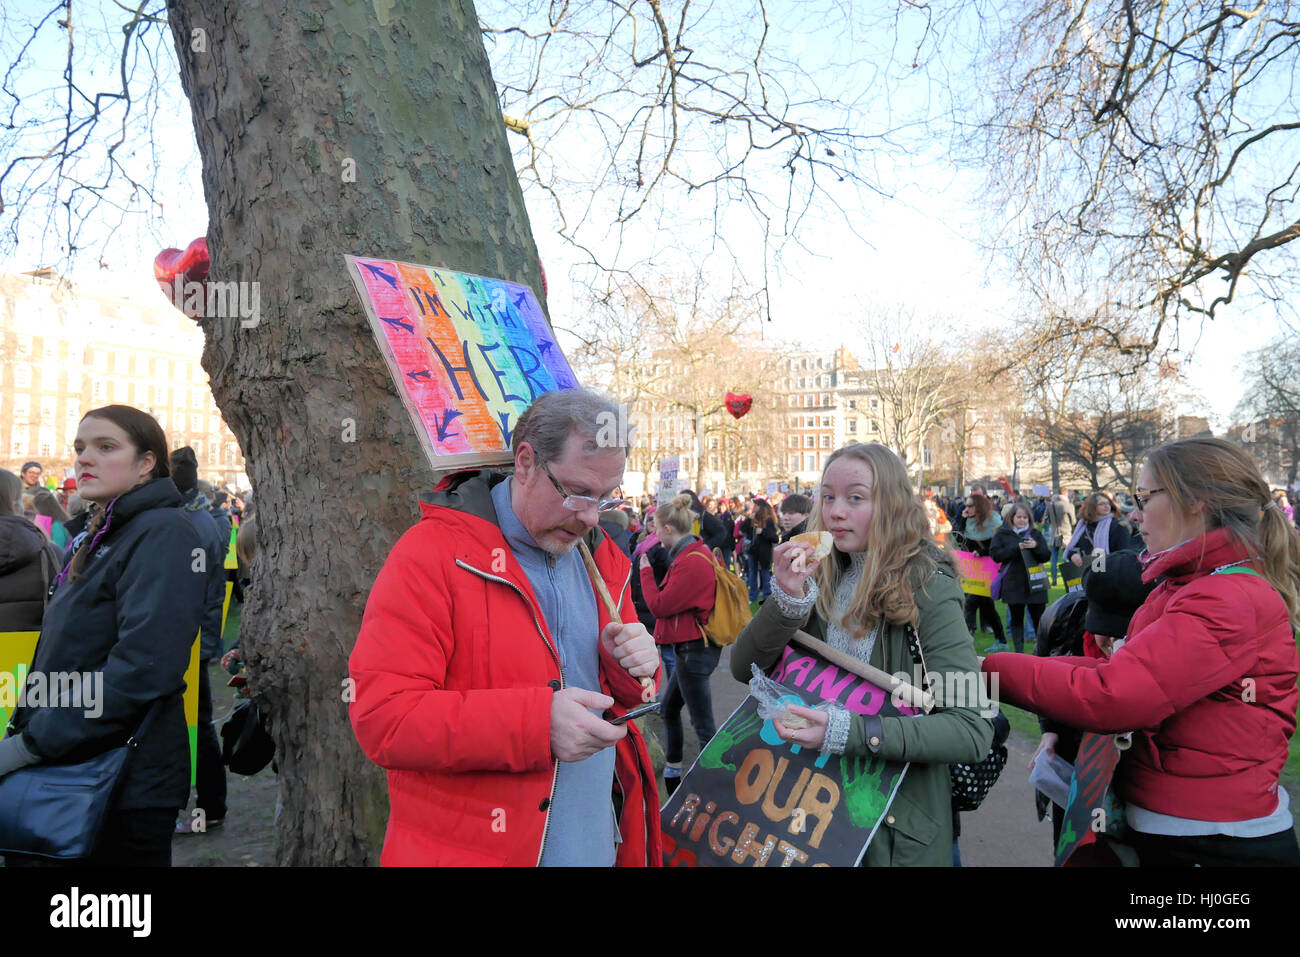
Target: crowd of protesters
1177,634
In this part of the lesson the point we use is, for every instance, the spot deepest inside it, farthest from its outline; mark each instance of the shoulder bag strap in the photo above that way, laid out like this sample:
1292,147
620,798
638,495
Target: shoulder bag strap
134,741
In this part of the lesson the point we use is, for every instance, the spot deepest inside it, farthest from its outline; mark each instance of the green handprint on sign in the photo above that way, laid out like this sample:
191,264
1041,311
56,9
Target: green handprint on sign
726,739
862,794
1067,837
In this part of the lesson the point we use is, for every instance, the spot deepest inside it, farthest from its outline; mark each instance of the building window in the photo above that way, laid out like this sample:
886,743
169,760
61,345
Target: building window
872,427
810,441
20,447
853,403
197,446
853,425
794,441
826,421
97,391
875,403
826,441
196,422
23,377
811,460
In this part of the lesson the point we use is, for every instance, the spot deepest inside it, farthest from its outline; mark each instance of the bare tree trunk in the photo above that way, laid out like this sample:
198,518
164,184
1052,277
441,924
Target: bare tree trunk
330,128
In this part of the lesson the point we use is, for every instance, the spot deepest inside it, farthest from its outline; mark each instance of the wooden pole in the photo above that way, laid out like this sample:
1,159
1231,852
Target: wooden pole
647,684
906,692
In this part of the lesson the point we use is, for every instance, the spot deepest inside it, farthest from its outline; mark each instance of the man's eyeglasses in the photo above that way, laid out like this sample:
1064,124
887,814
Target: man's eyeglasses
1142,498
579,503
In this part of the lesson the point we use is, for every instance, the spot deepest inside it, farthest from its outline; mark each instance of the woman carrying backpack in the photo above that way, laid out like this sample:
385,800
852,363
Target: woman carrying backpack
686,596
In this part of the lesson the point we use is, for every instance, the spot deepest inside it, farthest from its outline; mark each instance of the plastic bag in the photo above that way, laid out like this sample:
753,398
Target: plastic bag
774,700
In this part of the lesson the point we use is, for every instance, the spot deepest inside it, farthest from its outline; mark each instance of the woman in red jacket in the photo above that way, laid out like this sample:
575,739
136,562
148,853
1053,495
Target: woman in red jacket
1206,678
680,604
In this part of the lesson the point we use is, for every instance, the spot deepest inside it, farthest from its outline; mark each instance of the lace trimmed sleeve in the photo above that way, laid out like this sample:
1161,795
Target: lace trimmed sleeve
790,606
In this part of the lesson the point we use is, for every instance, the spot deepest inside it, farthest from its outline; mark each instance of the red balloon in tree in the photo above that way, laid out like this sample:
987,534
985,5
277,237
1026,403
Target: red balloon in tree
738,403
190,264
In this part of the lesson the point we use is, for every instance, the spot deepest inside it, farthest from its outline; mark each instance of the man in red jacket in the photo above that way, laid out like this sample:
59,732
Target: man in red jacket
487,667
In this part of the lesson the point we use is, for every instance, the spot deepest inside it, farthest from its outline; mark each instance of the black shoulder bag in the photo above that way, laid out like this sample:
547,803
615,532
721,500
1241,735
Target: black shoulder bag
971,783
57,810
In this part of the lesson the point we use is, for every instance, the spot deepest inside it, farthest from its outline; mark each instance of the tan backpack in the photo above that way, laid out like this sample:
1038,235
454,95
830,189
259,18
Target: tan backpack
731,611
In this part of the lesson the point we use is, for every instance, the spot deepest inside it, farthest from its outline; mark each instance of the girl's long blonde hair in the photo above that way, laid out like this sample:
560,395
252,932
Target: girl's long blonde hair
1228,482
900,555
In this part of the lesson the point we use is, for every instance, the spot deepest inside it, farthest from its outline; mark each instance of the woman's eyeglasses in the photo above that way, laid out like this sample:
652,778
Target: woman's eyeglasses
1143,497
579,503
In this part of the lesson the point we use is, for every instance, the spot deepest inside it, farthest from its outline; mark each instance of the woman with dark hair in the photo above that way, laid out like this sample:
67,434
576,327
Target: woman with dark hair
982,523
1015,546
1206,676
1099,530
126,610
762,532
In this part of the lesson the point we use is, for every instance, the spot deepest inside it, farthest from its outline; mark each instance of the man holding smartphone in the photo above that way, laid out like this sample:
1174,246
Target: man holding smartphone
487,671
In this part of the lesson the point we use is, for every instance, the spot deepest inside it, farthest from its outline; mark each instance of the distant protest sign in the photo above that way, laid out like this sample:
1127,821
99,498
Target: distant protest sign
1042,490
468,355
976,572
667,489
751,799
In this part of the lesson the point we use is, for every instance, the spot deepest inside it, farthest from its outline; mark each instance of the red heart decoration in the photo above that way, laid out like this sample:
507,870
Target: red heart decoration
190,264
739,403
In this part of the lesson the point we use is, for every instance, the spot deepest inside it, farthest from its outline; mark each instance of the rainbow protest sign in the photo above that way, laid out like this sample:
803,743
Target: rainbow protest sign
468,355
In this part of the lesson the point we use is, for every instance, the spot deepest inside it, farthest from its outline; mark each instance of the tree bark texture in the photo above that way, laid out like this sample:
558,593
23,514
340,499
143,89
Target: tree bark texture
288,99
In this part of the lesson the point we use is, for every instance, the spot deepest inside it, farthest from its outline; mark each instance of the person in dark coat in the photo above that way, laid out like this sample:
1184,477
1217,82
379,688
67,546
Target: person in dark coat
1099,530
210,775
28,562
615,524
126,609
1015,547
795,510
762,533
712,532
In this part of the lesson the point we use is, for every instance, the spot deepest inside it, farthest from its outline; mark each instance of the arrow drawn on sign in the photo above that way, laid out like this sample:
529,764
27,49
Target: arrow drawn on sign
397,321
447,416
422,374
376,271
505,429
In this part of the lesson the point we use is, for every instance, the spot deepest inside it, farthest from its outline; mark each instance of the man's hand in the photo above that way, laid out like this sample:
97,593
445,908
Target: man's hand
632,647
1077,559
576,733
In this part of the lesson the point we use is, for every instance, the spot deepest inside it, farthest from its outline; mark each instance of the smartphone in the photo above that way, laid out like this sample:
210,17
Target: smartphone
637,712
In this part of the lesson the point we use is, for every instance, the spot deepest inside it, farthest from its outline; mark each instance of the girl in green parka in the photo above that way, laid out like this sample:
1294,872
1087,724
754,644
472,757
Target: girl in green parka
884,573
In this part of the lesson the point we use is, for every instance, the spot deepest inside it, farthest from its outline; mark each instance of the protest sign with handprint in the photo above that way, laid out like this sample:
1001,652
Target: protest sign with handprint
753,799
